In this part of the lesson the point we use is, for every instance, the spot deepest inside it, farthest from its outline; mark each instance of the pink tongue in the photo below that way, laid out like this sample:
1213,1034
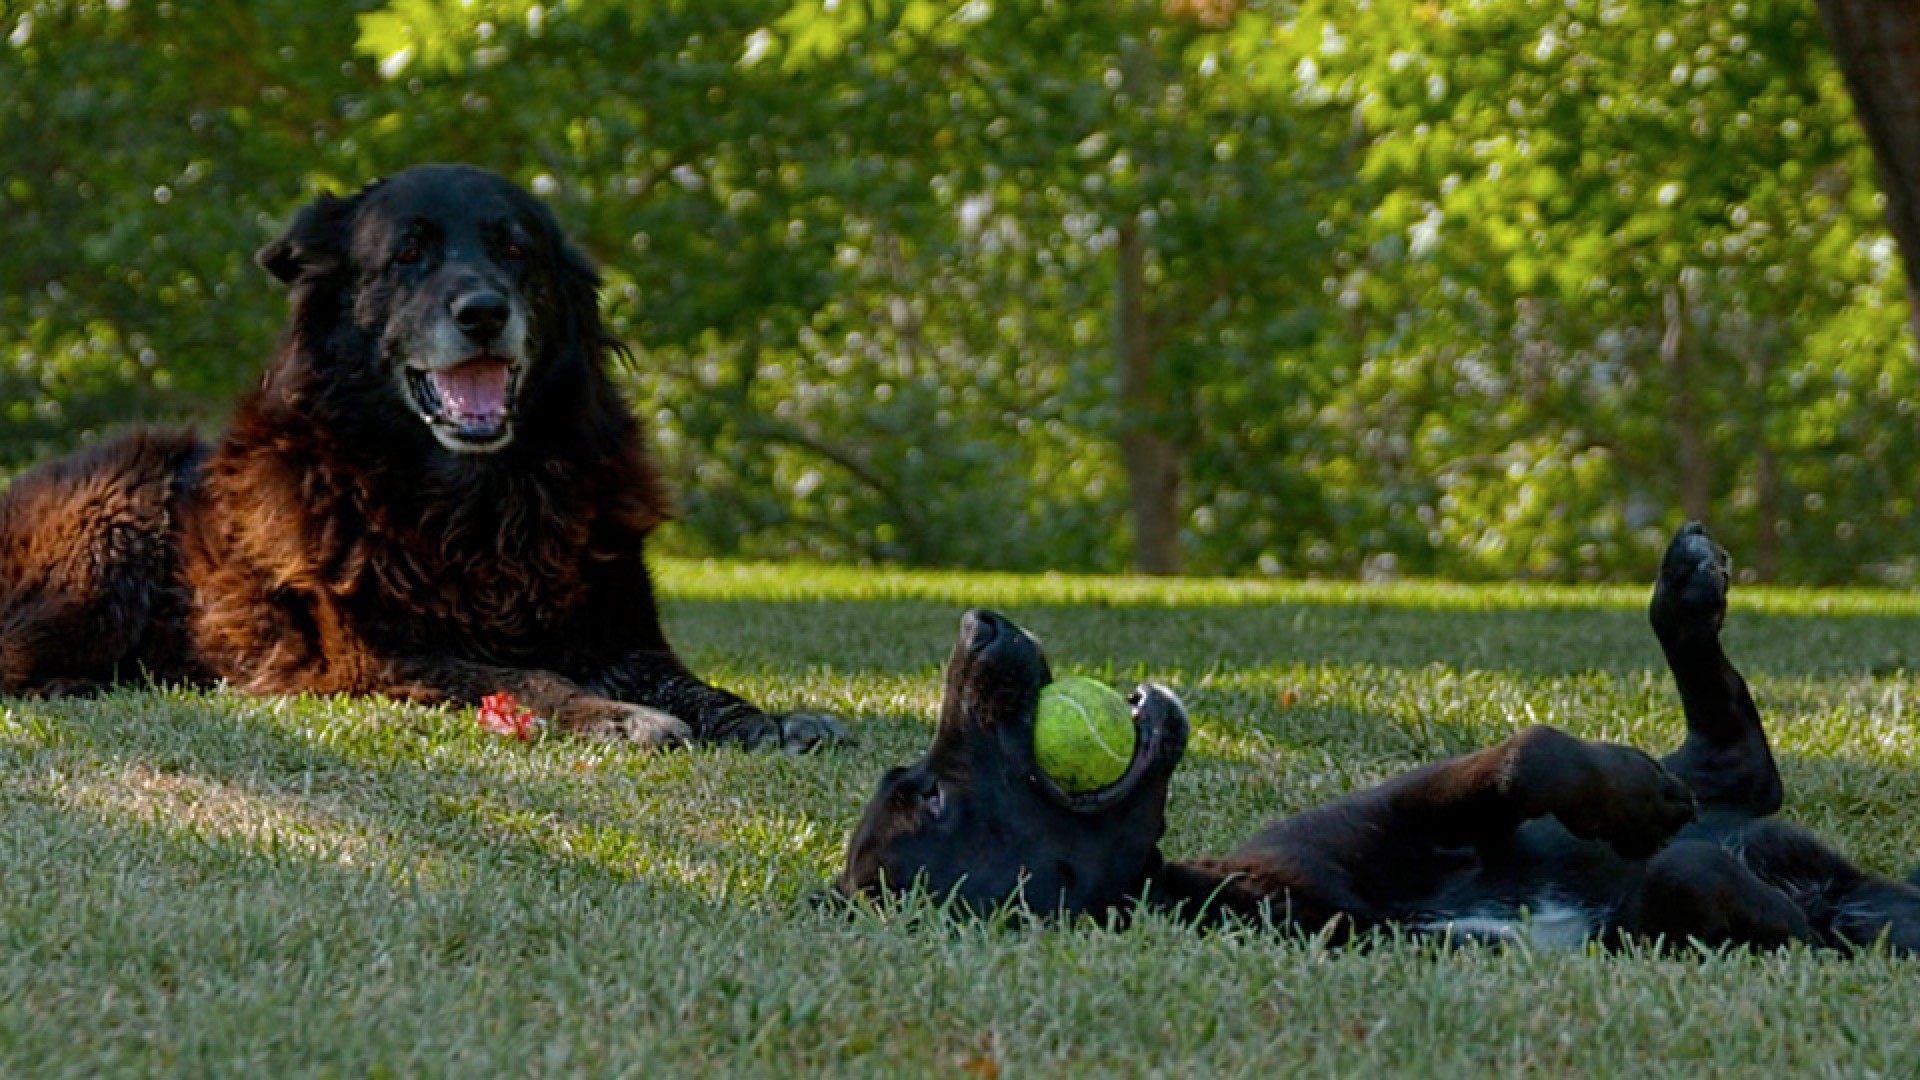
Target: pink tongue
476,390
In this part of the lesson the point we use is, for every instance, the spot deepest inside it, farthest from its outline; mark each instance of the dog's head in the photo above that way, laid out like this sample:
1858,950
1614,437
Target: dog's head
979,821
461,287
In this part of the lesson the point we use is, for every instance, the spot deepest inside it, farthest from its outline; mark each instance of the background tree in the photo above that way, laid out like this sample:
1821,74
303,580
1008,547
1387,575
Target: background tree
1878,46
1615,263
1136,164
1314,287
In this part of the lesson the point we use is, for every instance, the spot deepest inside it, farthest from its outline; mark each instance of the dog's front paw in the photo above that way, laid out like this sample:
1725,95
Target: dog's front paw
805,732
66,688
638,724
1635,807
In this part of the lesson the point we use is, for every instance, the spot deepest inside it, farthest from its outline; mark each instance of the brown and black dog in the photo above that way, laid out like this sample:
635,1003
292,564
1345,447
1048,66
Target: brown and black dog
1545,835
435,493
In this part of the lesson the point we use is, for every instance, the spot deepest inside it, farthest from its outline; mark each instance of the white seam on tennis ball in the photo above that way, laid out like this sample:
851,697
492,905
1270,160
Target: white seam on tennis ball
1086,721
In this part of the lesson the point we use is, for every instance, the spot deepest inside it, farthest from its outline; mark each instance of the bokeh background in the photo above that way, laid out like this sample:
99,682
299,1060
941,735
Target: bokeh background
1337,287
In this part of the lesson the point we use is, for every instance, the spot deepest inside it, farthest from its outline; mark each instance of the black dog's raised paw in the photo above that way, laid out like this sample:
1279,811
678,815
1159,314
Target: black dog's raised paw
1644,805
1618,796
1690,599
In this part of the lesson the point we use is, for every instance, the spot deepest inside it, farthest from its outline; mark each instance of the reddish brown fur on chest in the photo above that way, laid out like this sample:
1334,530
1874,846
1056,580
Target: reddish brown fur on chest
492,569
309,570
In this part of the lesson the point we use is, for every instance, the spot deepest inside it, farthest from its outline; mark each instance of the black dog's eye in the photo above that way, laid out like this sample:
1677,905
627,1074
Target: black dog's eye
409,255
512,251
916,794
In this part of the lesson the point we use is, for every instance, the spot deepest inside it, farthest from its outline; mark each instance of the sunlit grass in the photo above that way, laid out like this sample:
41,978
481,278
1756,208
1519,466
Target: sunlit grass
698,579
202,883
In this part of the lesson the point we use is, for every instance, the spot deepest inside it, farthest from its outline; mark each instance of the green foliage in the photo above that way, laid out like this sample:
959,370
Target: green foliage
1478,290
1563,186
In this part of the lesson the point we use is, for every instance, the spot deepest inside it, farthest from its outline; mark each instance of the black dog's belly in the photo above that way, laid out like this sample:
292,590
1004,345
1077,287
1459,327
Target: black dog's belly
1544,886
1544,920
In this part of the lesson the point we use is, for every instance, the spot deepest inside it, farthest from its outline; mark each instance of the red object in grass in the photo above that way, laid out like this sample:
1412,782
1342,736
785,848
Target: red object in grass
502,715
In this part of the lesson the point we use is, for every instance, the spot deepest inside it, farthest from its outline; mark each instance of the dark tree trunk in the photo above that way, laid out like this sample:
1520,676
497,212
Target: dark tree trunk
1878,46
1696,469
1760,350
1152,459
1766,547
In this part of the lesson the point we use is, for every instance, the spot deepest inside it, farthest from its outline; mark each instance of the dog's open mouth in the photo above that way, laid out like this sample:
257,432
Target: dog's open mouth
470,403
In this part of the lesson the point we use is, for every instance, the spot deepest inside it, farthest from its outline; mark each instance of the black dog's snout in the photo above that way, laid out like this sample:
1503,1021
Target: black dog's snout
480,315
979,628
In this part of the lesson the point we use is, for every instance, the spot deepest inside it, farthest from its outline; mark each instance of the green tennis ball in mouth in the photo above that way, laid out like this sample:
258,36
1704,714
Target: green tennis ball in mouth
1082,734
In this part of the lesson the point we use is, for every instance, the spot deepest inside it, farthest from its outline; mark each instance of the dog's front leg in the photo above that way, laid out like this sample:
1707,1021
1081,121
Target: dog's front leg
658,679
553,697
1598,791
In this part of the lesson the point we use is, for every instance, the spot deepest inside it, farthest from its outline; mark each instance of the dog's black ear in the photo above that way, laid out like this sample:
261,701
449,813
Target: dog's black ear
578,283
316,241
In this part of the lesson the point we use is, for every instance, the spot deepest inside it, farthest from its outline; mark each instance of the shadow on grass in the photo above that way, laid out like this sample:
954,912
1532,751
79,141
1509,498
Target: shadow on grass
406,807
209,884
490,859
432,808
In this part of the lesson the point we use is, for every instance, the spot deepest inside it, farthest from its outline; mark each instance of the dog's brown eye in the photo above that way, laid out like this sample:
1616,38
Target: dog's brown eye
513,251
408,255
935,804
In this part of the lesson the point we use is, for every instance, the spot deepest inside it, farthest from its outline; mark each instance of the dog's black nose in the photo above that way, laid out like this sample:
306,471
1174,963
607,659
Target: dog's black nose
480,315
979,627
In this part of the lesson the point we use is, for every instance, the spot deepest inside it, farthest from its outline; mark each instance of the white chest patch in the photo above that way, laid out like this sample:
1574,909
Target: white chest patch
1547,924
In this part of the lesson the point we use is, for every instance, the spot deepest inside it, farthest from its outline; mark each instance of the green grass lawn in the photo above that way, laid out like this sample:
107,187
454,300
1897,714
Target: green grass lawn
209,884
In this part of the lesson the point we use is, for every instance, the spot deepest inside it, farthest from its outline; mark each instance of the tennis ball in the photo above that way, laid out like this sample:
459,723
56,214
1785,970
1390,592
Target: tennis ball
1082,734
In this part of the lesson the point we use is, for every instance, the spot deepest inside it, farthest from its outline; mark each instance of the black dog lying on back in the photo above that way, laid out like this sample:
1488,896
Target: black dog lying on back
1559,837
